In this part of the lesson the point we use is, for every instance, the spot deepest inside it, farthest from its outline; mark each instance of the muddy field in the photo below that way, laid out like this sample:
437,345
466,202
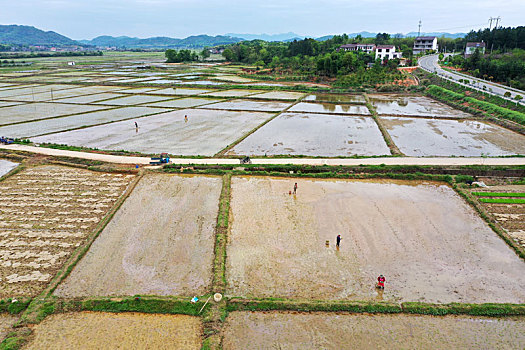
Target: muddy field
160,242
279,95
205,133
420,137
54,125
320,135
330,108
335,98
247,105
232,93
184,102
413,106
6,321
276,330
6,166
36,111
48,211
430,245
510,216
98,330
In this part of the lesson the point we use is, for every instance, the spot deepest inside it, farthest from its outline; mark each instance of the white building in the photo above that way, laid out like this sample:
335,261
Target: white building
387,51
368,48
473,46
423,44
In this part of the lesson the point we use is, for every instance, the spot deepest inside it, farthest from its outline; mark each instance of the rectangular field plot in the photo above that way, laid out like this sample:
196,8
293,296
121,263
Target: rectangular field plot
160,242
7,104
52,94
413,106
233,93
184,102
440,137
6,166
128,330
428,243
53,125
23,90
247,105
133,100
282,330
511,216
330,108
90,98
279,95
335,98
41,110
315,135
178,92
206,132
48,212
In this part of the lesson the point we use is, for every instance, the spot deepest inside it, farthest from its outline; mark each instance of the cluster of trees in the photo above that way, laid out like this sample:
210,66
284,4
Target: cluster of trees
50,54
501,39
508,68
174,56
311,58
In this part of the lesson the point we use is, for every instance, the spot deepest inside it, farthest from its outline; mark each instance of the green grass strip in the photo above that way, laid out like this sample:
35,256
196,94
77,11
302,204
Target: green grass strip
498,194
503,200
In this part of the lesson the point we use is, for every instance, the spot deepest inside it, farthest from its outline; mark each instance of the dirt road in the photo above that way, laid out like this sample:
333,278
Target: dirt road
305,161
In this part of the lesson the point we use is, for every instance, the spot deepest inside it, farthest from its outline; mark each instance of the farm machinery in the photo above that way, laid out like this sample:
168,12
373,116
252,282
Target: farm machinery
163,159
6,140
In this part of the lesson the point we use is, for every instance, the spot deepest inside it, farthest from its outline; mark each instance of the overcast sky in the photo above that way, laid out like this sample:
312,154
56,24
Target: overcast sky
86,19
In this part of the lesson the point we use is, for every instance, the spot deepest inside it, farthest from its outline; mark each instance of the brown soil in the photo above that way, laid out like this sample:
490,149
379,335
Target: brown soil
510,216
6,321
275,330
159,242
97,330
47,213
430,245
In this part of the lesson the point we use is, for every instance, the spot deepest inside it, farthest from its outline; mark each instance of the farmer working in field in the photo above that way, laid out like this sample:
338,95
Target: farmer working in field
381,282
338,240
295,188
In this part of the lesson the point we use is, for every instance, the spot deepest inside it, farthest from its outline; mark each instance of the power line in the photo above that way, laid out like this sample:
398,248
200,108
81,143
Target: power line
468,26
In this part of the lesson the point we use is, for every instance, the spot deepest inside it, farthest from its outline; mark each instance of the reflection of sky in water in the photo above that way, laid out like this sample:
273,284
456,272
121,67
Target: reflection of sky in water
440,137
414,105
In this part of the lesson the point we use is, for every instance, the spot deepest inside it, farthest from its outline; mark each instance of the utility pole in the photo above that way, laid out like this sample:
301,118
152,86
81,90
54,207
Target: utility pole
497,19
419,29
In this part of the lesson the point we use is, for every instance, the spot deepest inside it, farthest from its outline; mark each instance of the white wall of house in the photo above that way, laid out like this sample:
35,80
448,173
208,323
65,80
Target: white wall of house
423,45
388,52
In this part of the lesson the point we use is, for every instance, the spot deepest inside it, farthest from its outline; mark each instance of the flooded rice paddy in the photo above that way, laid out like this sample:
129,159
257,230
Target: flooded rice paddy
99,330
279,95
413,106
430,245
421,137
184,102
247,105
315,135
36,111
287,330
330,108
54,125
206,132
232,93
6,166
335,98
160,242
133,100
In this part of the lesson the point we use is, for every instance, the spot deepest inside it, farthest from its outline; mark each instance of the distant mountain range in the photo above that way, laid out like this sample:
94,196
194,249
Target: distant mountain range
31,36
161,42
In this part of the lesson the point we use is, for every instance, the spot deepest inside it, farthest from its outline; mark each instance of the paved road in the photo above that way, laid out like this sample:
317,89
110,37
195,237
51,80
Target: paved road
430,64
297,161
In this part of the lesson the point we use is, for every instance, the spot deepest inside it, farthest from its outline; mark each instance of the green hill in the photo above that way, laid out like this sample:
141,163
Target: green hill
31,36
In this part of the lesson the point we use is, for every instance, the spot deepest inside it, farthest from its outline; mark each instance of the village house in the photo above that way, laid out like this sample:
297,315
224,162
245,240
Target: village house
387,51
423,44
368,48
473,46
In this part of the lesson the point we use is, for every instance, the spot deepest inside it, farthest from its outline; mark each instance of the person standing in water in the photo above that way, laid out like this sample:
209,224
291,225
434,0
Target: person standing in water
338,241
185,118
381,282
295,188
136,127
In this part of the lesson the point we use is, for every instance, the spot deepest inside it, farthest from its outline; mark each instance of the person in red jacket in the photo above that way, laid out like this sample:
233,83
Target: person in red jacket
381,282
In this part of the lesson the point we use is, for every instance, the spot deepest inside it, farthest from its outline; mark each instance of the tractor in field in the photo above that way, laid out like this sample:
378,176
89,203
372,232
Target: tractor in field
163,159
6,140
